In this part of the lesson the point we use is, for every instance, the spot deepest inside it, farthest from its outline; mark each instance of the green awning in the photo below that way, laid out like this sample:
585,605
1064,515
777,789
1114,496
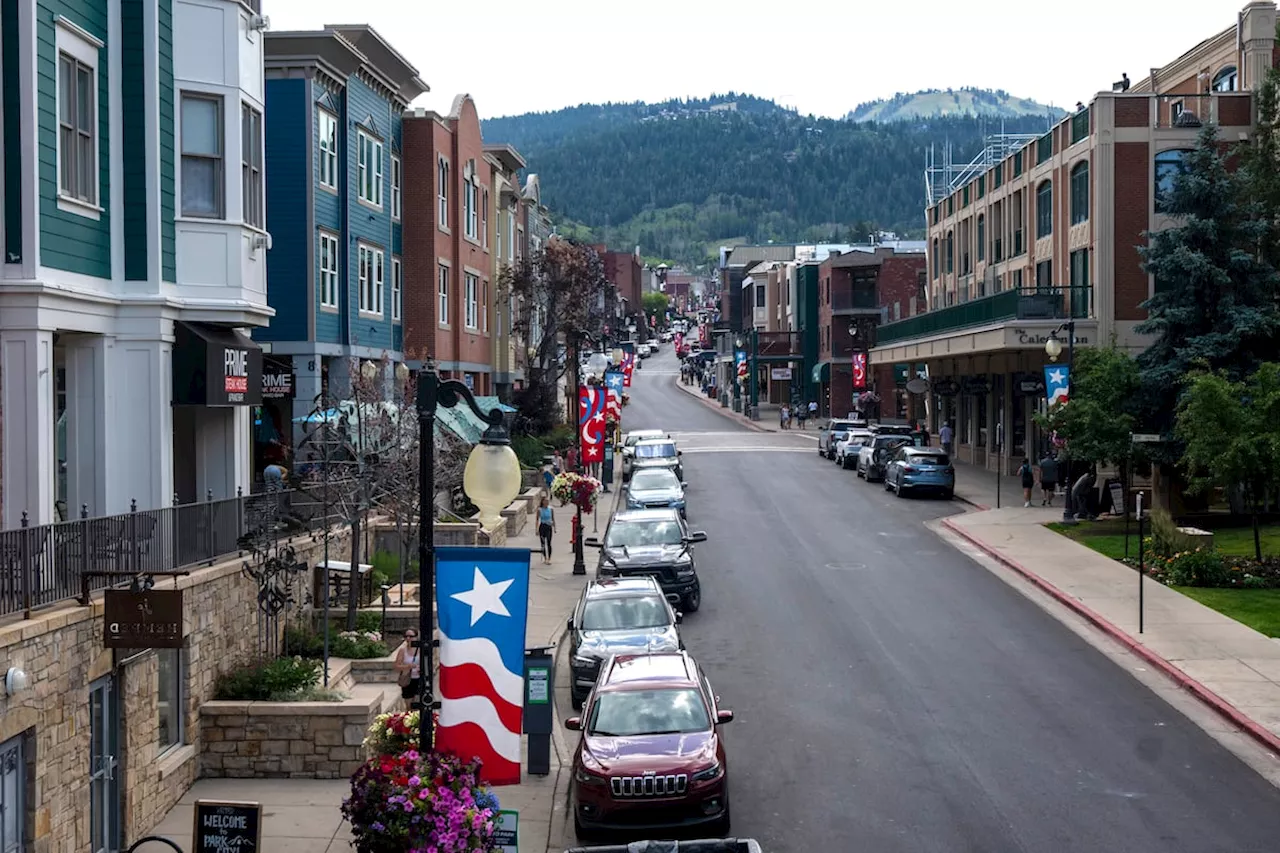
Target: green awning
822,371
463,423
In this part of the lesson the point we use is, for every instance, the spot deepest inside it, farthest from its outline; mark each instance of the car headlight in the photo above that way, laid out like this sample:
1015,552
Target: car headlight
586,778
580,659
707,775
685,569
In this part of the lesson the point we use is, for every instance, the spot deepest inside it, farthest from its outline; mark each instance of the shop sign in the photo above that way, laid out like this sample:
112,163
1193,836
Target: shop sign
976,386
277,382
780,373
142,620
215,366
225,825
1037,338
946,388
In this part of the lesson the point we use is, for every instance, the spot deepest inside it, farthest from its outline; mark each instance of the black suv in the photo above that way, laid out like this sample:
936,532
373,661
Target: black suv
617,616
653,542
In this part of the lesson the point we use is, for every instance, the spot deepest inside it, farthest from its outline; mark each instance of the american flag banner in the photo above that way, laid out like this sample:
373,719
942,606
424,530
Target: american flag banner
614,382
628,365
482,596
591,424
859,371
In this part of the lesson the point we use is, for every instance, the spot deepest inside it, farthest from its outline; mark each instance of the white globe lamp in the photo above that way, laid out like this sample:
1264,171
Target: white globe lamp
492,476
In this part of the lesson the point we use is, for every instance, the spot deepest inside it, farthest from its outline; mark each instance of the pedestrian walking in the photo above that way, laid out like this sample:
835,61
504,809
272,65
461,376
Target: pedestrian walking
546,527
547,477
409,671
784,416
1028,477
1081,495
948,435
813,409
557,463
802,414
1048,479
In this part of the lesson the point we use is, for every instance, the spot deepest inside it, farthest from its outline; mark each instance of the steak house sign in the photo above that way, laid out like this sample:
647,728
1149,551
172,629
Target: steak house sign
215,366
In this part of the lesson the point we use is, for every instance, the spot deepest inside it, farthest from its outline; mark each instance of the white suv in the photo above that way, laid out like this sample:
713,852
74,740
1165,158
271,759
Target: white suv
847,448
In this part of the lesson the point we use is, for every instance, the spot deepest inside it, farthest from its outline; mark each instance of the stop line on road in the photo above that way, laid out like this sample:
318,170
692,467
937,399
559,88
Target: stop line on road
748,448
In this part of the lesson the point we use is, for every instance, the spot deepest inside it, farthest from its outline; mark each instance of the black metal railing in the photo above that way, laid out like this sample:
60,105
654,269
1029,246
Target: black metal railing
50,563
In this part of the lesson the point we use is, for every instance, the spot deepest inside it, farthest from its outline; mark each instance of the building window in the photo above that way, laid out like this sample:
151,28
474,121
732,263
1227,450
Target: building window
1044,148
964,197
997,177
511,237
328,269
171,697
1169,164
469,204
372,279
951,252
251,188
471,296
1044,275
759,295
982,185
442,182
1080,192
951,205
935,257
395,187
397,288
1226,80
202,192
1044,209
1079,271
370,172
78,127
484,307
484,218
1079,125
982,237
15,826
1017,164
328,131
443,290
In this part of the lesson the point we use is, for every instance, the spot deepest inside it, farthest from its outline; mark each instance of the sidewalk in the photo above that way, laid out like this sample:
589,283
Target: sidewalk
768,412
979,487
303,815
1228,666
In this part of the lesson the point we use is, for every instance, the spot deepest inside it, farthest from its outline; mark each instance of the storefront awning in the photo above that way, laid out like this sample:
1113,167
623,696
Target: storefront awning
822,371
215,366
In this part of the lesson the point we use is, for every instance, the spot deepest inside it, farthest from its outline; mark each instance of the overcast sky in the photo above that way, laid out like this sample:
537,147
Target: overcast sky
819,56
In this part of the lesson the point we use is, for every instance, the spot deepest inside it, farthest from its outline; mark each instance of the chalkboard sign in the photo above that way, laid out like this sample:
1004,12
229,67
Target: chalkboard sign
223,825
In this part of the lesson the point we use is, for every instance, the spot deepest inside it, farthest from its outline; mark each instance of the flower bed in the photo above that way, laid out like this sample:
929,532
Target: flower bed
405,802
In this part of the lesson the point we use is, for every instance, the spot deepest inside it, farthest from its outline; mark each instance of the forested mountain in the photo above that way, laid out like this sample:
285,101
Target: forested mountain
680,178
933,103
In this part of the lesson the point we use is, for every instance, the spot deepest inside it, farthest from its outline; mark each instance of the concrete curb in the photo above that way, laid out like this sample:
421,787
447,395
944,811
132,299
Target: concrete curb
976,506
1216,703
715,406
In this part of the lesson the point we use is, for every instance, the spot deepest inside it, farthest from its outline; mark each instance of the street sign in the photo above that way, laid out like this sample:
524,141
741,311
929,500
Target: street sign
1145,438
151,619
506,831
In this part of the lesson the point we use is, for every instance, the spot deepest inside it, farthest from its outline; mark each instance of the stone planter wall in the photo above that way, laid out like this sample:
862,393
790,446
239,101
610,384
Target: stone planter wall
516,515
495,538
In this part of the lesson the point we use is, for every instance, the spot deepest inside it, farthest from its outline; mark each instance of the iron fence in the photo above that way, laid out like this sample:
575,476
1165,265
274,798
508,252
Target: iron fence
50,563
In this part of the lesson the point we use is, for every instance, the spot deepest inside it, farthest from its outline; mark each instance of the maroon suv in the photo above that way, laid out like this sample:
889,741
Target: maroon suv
651,755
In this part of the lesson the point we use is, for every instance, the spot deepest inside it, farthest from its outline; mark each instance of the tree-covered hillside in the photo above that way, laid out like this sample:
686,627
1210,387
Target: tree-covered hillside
678,179
933,103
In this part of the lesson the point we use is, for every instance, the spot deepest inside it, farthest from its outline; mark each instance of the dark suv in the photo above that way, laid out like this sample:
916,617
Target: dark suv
656,543
650,755
618,616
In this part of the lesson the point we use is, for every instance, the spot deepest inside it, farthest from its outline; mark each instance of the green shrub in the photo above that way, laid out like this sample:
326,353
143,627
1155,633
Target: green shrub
1197,568
560,438
368,620
530,450
278,680
386,569
1164,533
358,645
303,641
363,643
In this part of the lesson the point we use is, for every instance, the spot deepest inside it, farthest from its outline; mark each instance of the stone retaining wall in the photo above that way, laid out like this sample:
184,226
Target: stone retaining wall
516,514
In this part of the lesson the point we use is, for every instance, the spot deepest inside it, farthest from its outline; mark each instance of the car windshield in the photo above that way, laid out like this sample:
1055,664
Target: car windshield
639,436
643,481
639,534
619,614
630,713
657,450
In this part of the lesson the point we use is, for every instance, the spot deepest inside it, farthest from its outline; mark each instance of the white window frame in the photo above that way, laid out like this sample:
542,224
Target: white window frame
220,160
371,275
178,736
330,271
82,48
511,237
484,306
370,179
327,133
443,171
471,297
484,217
253,205
396,177
469,195
397,288
443,275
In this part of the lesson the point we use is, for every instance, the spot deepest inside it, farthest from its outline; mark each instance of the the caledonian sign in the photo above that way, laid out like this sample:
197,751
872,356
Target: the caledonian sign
142,620
1037,338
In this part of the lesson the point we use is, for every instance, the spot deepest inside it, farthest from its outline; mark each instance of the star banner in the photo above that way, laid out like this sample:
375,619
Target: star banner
591,422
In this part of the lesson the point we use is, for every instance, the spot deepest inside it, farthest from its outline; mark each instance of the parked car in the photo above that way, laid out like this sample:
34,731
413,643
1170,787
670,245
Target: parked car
831,434
893,429
653,453
654,543
632,438
690,845
618,616
874,455
650,753
847,448
919,469
656,488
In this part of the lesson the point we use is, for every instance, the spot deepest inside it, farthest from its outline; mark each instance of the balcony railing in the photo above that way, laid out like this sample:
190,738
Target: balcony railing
860,299
50,563
778,344
1046,303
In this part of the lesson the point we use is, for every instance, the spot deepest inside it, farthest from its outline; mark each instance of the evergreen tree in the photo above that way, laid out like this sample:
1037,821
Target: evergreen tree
1213,307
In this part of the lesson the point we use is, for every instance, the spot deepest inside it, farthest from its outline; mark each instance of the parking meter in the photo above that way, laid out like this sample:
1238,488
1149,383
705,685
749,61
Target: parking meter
539,717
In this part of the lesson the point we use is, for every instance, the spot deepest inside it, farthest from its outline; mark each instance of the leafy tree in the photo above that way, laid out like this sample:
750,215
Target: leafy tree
1213,306
655,305
1101,415
1230,430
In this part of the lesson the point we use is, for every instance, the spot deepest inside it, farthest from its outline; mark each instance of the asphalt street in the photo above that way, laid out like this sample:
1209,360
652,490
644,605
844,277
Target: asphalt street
893,695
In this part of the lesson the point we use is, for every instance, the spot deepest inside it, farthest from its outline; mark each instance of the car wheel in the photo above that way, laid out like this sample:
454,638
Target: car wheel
948,495
693,600
887,486
898,487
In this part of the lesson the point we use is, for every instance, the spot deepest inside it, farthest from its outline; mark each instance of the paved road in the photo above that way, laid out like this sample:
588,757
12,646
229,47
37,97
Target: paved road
893,695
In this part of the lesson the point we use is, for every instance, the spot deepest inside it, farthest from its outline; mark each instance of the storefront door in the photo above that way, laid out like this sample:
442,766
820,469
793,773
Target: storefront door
104,765
13,785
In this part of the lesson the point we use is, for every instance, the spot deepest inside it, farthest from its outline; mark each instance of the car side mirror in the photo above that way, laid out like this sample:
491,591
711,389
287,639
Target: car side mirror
679,453
574,724
679,617
723,717
697,536
592,542
684,485
570,623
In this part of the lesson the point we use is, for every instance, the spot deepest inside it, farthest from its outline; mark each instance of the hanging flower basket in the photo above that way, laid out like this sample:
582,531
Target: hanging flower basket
868,397
581,491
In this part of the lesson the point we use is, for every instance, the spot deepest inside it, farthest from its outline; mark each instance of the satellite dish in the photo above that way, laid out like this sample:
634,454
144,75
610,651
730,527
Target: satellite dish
918,385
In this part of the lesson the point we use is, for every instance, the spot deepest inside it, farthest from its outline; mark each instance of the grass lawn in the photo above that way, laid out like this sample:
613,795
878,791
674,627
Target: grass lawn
1107,538
1257,608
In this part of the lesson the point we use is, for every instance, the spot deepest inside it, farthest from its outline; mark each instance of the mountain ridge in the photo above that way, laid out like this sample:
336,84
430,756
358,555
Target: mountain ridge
965,101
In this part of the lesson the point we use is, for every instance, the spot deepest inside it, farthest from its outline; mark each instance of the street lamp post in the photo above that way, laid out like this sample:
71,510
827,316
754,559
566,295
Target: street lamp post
1053,348
491,480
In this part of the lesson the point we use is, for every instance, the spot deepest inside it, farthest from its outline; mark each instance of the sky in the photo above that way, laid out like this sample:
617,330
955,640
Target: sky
819,56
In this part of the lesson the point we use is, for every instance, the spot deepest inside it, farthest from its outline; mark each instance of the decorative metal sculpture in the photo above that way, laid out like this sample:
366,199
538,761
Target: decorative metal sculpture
273,566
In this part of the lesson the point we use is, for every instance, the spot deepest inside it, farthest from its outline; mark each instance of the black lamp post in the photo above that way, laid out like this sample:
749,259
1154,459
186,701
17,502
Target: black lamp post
1053,348
485,474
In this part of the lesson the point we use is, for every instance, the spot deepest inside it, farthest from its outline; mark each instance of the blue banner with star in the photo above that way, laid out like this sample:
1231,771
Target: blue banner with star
1057,383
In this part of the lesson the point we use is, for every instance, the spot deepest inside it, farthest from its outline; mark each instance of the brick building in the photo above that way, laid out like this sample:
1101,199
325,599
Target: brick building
623,269
1038,230
448,263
